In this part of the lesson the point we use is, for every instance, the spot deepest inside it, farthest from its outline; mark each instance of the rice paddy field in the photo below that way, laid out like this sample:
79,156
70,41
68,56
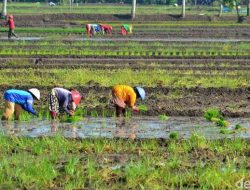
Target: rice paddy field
192,131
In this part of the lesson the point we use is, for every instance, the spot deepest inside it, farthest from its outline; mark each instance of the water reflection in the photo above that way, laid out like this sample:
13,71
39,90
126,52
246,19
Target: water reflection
125,128
149,127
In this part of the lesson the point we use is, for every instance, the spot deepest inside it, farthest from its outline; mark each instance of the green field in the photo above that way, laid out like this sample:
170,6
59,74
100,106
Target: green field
51,163
39,8
207,78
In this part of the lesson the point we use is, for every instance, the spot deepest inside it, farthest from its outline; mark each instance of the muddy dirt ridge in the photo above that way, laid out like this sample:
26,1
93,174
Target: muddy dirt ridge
6,61
163,100
43,18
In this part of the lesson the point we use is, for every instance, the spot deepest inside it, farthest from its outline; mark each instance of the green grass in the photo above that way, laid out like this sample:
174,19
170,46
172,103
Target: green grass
163,117
174,135
143,107
40,8
80,77
214,115
56,162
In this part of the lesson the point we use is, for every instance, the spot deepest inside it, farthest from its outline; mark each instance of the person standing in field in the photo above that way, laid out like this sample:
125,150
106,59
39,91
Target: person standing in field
62,100
124,96
16,100
10,22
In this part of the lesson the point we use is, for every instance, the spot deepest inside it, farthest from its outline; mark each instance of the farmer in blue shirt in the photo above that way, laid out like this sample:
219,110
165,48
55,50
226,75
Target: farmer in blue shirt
16,100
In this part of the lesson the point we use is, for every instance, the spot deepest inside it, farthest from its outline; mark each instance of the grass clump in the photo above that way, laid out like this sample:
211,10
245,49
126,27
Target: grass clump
214,115
163,117
174,135
221,122
71,119
143,107
225,131
238,127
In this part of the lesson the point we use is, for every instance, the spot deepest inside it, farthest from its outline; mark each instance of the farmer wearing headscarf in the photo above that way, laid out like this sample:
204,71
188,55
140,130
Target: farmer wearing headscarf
11,25
107,29
62,100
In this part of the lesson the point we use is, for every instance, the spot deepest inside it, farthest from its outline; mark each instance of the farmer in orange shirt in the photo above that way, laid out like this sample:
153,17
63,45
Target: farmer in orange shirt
125,96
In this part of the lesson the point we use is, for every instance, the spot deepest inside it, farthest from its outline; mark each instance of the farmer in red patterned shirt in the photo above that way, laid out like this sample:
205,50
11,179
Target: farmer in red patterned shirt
11,25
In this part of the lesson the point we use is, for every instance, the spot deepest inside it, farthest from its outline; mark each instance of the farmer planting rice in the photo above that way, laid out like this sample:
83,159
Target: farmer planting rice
124,96
107,29
92,29
11,25
16,100
62,100
126,29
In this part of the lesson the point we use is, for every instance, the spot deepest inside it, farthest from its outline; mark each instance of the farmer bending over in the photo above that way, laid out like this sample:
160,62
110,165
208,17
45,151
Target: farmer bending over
107,29
62,100
125,96
11,25
16,100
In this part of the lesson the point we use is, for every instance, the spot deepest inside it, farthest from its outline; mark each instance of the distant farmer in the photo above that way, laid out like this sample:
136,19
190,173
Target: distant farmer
10,22
126,29
62,100
92,29
16,100
107,29
124,96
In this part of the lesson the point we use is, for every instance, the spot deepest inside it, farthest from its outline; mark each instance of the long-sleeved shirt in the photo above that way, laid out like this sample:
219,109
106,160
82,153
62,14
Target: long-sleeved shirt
11,24
21,97
64,98
125,93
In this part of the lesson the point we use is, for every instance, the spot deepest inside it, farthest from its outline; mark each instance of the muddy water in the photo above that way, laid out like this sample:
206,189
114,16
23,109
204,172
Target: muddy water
164,39
23,38
150,127
137,39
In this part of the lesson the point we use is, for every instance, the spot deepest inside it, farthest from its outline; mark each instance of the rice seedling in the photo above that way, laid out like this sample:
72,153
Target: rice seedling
89,163
238,127
143,107
163,117
224,130
174,135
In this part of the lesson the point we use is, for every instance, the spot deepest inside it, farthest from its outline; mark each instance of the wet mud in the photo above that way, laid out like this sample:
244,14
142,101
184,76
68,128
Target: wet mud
135,128
143,32
59,19
119,63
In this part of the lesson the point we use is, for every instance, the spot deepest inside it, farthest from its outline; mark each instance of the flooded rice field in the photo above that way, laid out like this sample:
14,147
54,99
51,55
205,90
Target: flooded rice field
137,127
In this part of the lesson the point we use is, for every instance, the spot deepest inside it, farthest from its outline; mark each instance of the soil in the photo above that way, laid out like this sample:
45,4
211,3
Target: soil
195,64
75,20
31,20
160,100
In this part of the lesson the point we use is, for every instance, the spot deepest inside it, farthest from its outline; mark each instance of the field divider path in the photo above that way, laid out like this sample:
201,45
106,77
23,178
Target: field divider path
139,39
